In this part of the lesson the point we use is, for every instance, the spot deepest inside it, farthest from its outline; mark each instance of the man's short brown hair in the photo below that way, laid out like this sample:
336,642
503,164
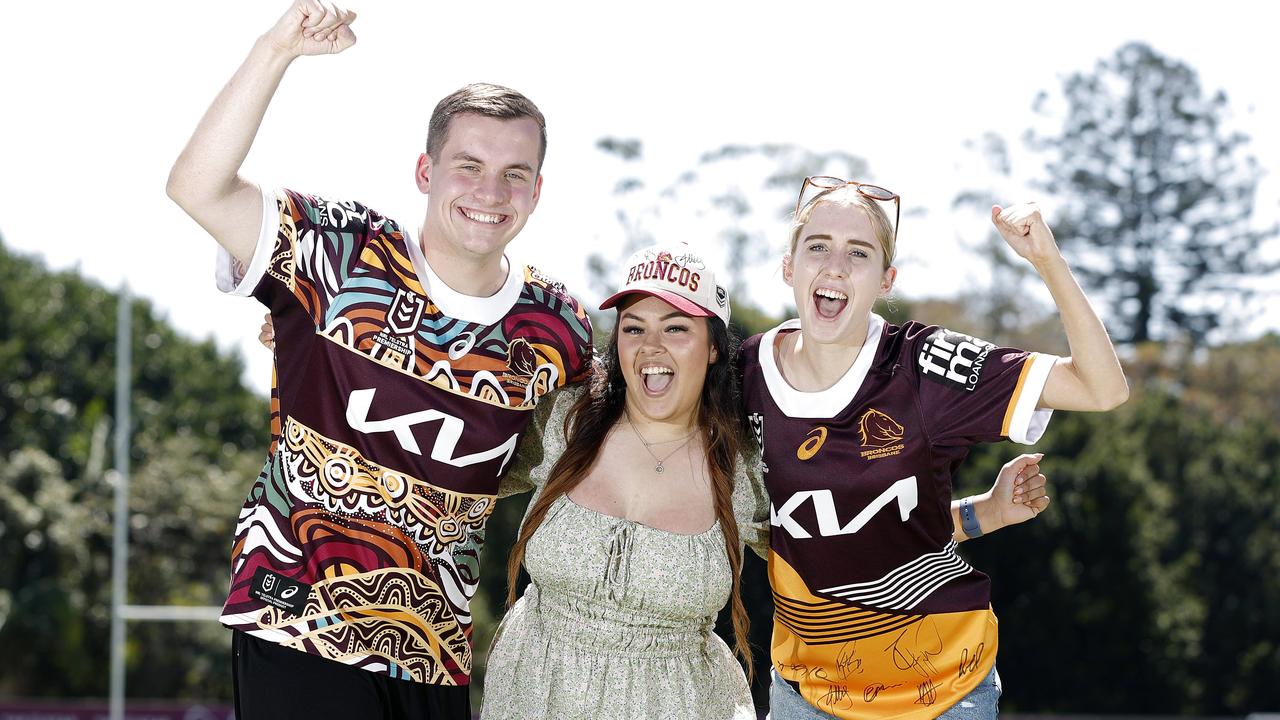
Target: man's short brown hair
488,100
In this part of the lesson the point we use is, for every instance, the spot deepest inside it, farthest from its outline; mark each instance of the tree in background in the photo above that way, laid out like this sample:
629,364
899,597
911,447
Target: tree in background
1008,301
737,195
1151,584
199,437
1159,192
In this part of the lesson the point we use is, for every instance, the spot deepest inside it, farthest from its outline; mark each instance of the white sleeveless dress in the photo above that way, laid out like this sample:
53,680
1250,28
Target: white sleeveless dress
617,621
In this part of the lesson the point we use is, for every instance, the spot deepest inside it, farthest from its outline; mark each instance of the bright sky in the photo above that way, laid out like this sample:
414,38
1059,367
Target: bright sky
100,97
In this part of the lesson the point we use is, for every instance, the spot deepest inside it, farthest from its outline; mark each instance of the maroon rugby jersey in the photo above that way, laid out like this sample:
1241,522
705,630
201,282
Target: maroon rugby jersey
397,407
875,614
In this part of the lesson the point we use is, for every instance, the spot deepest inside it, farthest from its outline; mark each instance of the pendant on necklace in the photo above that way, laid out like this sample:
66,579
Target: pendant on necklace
658,468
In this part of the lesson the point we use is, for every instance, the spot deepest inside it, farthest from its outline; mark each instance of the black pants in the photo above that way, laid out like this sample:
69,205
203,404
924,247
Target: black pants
273,682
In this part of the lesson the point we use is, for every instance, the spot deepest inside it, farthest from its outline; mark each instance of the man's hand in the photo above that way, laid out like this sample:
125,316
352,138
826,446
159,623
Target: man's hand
313,27
205,180
267,333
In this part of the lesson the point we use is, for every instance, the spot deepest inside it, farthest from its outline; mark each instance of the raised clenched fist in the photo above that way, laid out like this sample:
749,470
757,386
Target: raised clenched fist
1024,228
313,27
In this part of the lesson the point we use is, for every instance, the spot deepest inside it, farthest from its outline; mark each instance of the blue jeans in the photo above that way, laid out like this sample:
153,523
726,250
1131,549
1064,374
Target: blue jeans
982,703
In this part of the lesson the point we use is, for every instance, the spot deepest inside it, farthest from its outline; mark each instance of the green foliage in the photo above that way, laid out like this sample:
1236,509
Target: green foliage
53,586
57,345
1150,584
748,319
198,438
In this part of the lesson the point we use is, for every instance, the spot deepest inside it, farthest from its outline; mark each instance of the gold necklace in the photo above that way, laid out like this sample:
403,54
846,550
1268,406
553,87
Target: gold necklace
659,467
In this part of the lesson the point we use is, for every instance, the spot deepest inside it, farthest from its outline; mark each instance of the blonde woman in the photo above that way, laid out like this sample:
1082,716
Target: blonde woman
862,425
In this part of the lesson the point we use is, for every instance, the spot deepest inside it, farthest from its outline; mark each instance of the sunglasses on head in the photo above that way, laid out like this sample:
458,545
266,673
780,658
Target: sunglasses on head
817,185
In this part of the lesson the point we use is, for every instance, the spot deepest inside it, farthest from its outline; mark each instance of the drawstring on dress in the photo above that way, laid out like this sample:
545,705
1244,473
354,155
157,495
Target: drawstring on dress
618,564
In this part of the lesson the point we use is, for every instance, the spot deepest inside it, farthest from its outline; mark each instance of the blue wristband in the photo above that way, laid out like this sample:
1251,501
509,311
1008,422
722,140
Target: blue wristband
969,519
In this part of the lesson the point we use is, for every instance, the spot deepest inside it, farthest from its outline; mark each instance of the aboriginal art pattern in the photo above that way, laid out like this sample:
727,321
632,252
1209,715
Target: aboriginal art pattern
380,308
334,476
399,619
393,424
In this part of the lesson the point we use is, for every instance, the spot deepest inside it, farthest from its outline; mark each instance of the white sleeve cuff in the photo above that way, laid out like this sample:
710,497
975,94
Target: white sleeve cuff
1029,421
232,276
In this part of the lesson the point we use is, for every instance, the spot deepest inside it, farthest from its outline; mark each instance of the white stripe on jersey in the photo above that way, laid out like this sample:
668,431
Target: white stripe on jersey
907,585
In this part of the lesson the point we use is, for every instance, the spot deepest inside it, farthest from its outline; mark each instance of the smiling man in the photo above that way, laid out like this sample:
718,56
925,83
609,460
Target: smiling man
407,366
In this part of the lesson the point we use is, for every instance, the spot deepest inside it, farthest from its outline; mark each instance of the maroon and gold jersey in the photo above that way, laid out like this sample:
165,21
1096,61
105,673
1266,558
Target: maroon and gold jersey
397,407
875,614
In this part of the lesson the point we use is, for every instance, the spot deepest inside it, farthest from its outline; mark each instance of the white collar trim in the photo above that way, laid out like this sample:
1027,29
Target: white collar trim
481,310
822,403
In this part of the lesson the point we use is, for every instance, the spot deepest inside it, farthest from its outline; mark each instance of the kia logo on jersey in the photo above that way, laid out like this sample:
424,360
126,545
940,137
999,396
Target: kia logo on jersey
446,443
903,492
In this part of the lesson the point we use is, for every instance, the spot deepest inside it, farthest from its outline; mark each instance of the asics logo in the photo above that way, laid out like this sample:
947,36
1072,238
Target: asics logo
813,444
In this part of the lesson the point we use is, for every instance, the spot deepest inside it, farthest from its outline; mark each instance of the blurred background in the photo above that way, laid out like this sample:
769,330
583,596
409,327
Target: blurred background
1147,132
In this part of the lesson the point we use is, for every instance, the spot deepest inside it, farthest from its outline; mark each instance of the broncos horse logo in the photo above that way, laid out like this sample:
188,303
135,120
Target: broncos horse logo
879,430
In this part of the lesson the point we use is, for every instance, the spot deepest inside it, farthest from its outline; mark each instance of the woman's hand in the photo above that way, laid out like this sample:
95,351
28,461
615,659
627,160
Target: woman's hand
1024,228
1019,493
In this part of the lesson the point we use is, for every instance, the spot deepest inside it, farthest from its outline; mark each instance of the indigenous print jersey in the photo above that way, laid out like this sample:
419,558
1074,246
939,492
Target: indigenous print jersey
398,404
875,614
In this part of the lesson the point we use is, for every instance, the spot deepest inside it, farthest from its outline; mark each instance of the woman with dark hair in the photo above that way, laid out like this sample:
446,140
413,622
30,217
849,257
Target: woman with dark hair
632,559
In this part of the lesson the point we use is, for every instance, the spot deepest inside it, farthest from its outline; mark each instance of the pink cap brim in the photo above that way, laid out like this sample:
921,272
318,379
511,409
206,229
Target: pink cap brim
679,302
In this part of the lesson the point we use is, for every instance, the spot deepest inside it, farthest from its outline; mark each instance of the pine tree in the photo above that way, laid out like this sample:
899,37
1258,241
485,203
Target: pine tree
1158,196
